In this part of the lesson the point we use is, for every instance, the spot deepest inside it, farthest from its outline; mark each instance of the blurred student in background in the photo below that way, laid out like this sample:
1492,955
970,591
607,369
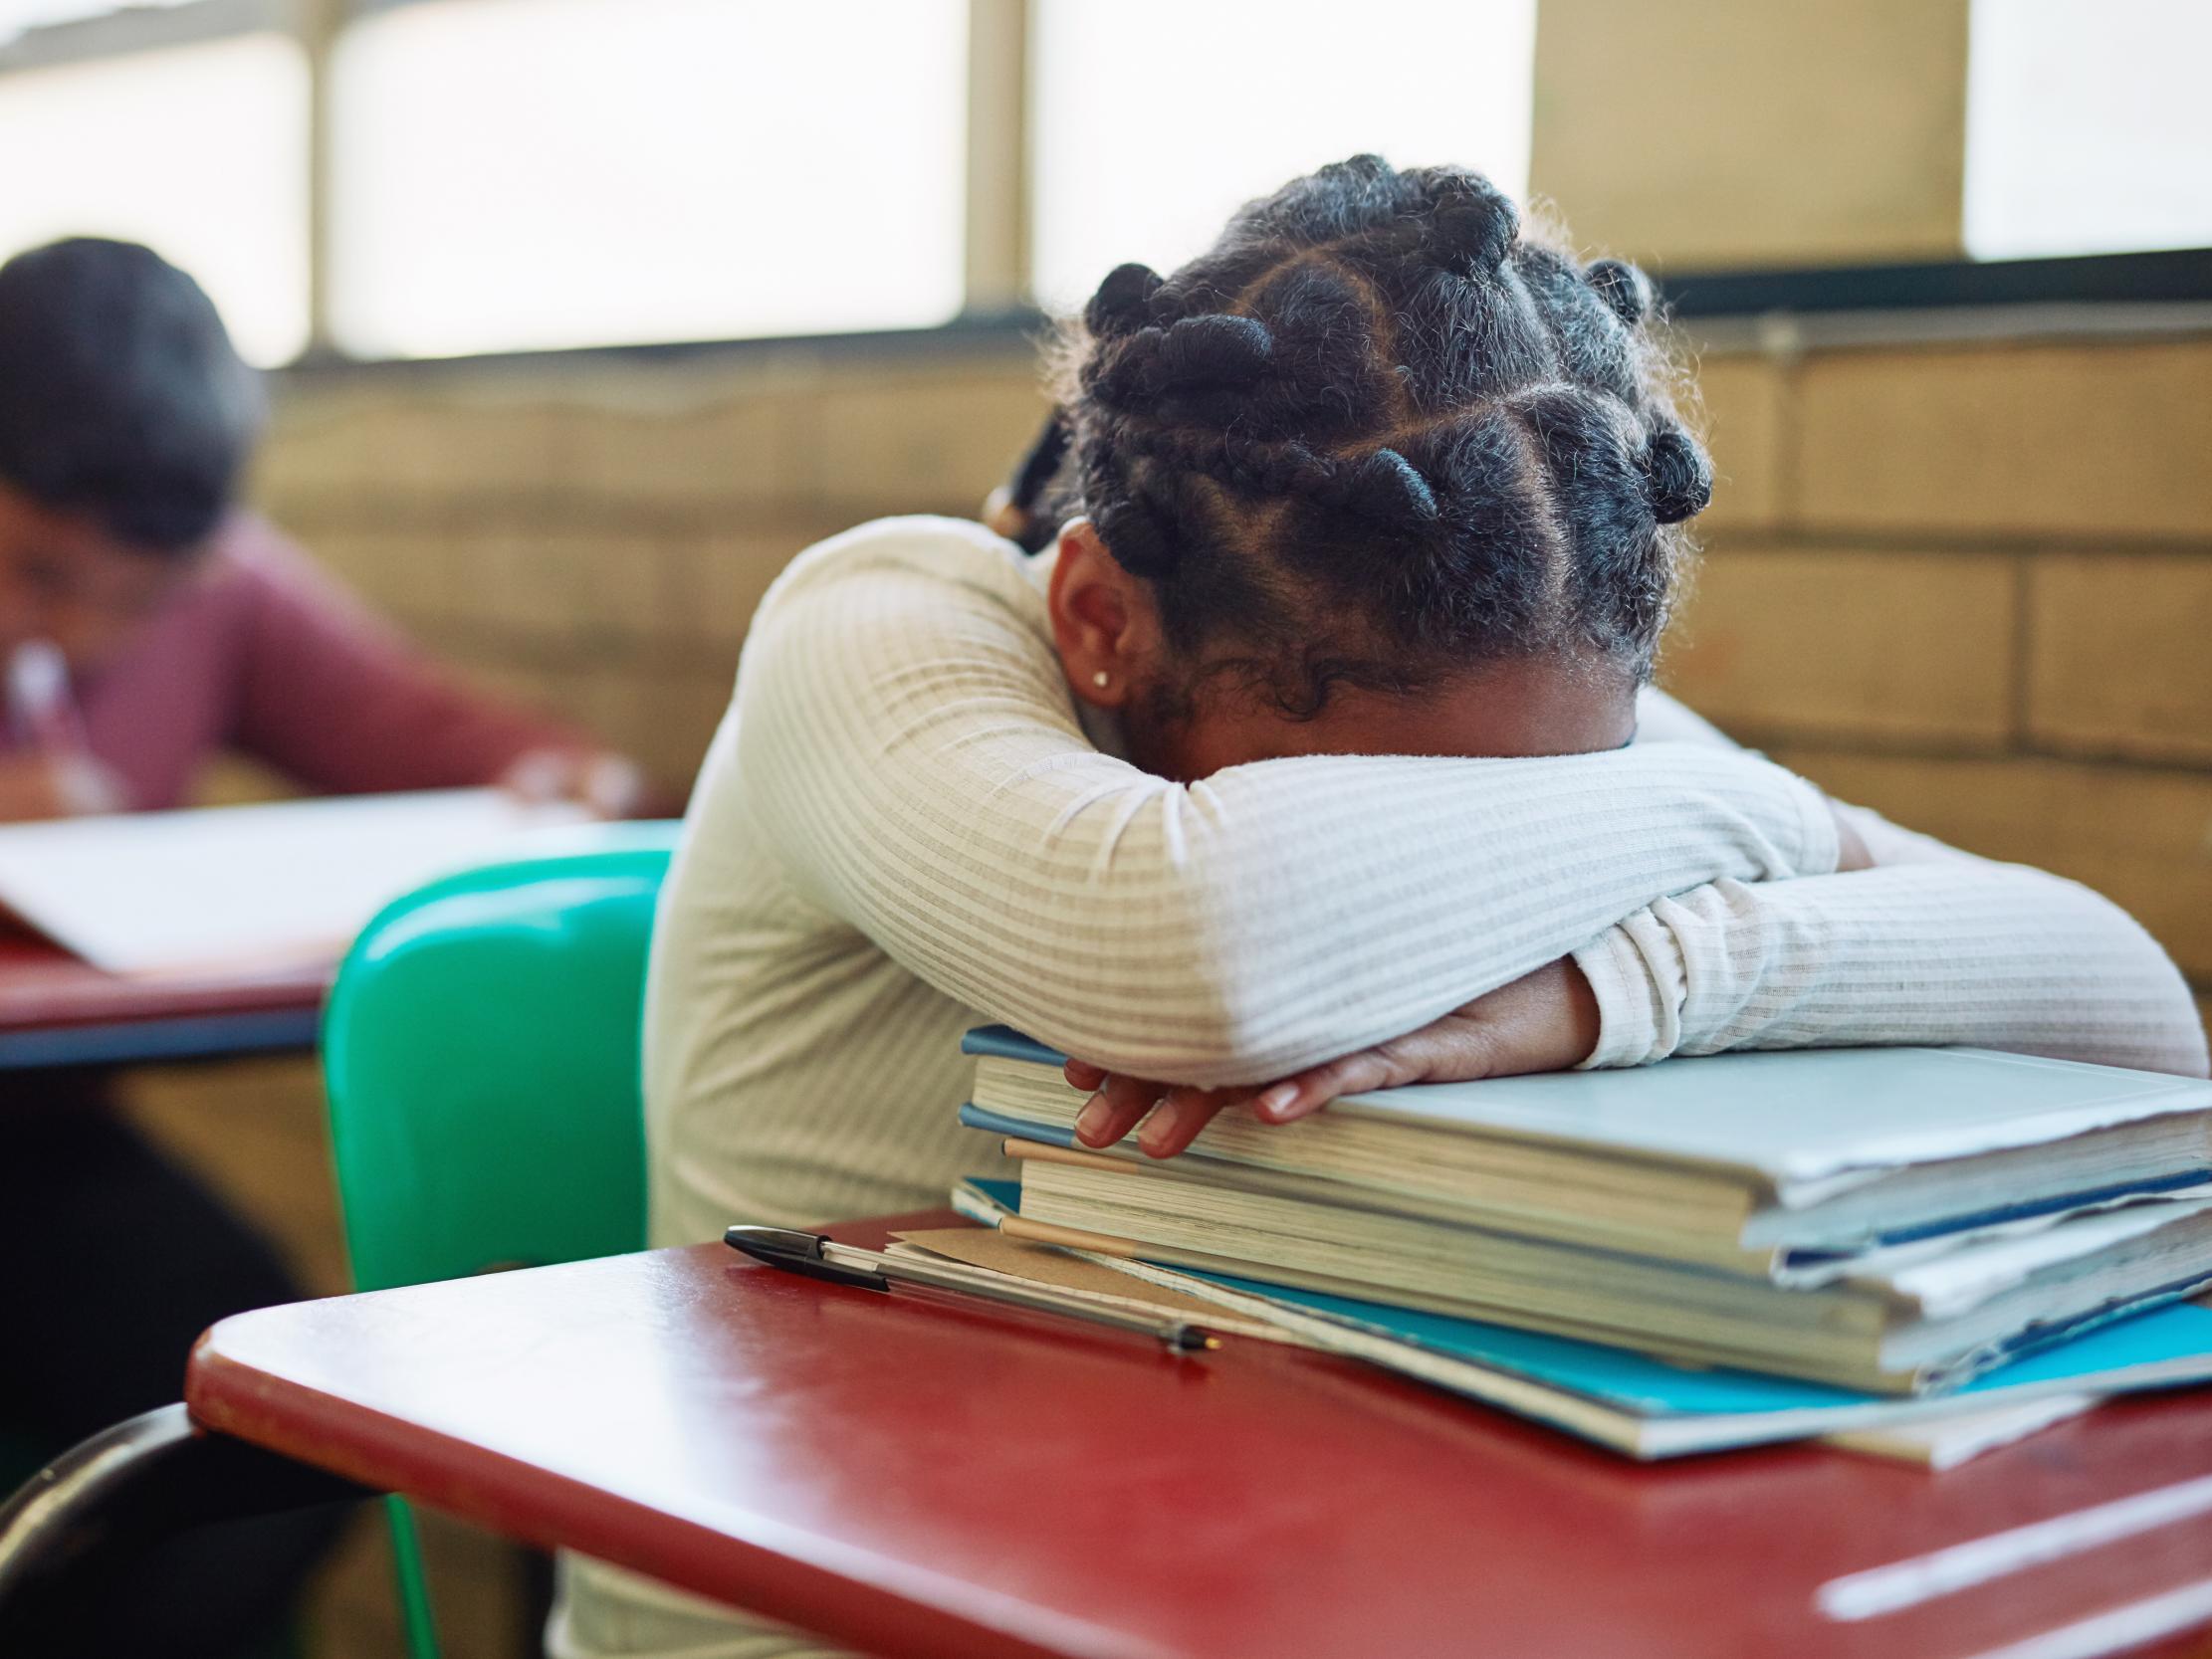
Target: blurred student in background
147,621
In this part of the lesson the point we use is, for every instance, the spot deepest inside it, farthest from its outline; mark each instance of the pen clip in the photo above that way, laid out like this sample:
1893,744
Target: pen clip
797,1252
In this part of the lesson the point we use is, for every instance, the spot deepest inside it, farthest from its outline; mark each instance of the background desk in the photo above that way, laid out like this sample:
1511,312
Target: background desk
921,1478
57,1011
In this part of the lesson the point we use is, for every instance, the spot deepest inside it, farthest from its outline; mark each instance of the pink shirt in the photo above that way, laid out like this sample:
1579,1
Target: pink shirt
265,655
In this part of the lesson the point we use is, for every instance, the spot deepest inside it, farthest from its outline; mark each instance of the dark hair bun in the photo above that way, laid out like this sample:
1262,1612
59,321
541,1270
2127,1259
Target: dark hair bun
1121,304
1677,476
1622,286
1218,350
1474,232
1388,488
1140,543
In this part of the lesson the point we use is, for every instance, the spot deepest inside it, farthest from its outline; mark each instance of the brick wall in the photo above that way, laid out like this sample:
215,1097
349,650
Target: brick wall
594,538
1967,584
1971,585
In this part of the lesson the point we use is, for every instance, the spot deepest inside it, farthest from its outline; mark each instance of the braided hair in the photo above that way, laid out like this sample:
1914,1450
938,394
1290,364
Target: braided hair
1381,431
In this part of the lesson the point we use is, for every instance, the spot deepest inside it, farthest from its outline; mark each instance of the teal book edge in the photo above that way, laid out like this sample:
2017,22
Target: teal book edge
1708,1408
1006,1043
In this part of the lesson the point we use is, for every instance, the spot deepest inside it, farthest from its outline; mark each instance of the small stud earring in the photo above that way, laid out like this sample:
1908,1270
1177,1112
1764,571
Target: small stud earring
1102,678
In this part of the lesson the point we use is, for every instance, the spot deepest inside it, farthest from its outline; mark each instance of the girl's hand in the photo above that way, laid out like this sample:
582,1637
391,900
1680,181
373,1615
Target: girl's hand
1546,1021
606,785
37,785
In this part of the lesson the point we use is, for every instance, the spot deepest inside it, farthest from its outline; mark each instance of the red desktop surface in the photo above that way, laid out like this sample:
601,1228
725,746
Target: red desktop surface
914,1475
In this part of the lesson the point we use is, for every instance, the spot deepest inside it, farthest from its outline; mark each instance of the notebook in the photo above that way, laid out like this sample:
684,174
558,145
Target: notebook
1765,1165
1650,1407
1909,1318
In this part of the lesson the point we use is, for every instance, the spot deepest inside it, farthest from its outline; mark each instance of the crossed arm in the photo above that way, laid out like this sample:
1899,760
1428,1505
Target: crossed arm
909,746
1923,944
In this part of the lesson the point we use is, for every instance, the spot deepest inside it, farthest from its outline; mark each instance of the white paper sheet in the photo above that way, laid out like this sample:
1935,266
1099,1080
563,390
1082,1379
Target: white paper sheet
251,886
1946,1442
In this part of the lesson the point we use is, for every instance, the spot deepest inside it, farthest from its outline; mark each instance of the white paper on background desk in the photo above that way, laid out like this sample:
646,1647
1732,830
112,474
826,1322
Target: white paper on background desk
247,886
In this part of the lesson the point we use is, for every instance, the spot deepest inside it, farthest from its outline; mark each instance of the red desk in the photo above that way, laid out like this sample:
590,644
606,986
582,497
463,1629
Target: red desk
919,1478
57,1011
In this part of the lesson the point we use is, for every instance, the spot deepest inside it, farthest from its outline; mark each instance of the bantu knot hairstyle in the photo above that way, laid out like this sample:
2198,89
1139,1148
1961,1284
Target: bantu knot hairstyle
1677,475
1622,286
1380,430
1119,305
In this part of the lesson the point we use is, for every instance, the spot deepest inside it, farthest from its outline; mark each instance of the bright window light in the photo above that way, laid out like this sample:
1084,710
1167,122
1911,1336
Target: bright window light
1154,118
2087,127
199,151
524,174
18,15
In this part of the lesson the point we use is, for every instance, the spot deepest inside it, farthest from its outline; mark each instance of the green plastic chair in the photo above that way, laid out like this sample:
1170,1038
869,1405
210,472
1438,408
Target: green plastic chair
480,1052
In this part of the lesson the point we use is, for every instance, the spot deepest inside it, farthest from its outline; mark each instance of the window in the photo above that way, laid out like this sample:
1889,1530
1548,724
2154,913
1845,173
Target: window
18,15
1154,118
200,151
517,174
2087,127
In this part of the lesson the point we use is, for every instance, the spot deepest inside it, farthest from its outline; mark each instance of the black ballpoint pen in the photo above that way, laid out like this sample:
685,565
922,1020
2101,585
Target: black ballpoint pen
819,1257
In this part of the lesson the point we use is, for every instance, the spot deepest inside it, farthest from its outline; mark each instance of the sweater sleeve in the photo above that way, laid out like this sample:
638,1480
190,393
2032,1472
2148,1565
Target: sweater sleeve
906,742
1932,945
337,698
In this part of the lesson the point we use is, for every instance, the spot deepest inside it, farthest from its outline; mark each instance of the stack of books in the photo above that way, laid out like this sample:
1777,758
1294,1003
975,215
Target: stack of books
1698,1253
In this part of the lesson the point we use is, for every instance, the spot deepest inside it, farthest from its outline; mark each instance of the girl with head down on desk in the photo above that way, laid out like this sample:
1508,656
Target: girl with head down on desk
147,621
1314,751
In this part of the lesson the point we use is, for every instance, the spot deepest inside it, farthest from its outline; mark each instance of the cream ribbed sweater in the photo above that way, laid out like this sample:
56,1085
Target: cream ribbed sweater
904,828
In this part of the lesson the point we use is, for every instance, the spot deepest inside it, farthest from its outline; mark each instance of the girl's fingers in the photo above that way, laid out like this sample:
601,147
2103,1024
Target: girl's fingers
1081,1074
1293,1098
1115,1110
1312,1089
1176,1122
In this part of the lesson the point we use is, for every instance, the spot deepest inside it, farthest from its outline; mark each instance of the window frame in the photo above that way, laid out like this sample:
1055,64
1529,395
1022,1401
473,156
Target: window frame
2160,288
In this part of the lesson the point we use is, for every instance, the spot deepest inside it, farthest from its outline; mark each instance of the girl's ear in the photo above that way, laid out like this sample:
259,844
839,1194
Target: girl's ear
1104,622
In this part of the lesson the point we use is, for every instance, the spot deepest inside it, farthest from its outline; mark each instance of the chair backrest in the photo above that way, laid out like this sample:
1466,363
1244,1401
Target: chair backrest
481,1055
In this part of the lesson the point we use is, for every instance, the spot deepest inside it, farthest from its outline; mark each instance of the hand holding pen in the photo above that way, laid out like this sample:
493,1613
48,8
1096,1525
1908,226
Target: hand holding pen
49,770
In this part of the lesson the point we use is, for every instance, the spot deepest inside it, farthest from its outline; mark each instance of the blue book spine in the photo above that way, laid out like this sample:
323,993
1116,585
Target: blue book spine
994,1123
1008,1044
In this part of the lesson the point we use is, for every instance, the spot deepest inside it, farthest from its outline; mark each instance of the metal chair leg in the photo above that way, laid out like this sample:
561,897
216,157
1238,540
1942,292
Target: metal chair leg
128,1487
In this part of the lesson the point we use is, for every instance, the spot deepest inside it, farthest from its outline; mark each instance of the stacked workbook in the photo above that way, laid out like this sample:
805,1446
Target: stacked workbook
1698,1253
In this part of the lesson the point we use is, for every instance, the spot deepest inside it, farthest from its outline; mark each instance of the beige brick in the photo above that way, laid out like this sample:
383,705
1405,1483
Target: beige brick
520,581
2142,838
506,681
663,722
1828,642
621,584
2051,439
1731,132
310,449
1743,398
418,579
417,440
2122,655
741,451
360,558
924,444
718,583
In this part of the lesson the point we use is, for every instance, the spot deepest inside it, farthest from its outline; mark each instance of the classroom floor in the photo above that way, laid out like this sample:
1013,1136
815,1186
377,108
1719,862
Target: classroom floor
255,1130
